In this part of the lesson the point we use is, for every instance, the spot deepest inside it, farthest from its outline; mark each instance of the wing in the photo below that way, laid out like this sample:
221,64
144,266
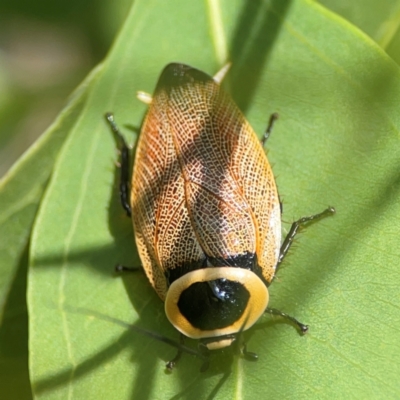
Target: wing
163,231
202,186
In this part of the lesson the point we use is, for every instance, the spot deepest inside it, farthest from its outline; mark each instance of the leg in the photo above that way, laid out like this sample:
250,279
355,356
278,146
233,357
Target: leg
265,137
123,268
294,229
171,364
273,311
124,188
203,354
268,131
249,355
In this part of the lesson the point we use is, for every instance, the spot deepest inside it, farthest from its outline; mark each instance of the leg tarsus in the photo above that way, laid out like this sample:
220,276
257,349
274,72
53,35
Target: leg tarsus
273,311
268,131
123,268
124,188
170,365
249,355
294,230
203,353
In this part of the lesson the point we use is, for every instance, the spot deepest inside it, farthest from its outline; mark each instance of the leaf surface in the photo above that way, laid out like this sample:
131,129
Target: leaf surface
380,20
336,143
21,191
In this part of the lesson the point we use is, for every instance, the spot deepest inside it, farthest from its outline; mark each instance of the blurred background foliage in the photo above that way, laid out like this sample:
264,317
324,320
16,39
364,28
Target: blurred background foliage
48,47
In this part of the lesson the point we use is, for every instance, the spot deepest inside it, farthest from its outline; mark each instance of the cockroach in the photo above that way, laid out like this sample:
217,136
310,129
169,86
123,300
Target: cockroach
205,208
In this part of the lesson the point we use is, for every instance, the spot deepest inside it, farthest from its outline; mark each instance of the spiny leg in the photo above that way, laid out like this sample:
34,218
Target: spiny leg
171,364
203,354
124,187
273,311
242,345
294,229
264,139
268,131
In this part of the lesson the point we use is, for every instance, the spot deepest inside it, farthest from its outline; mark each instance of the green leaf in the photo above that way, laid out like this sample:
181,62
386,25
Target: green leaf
380,20
336,143
21,191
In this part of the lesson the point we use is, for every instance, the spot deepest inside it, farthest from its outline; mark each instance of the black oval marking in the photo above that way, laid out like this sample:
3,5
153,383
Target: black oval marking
214,304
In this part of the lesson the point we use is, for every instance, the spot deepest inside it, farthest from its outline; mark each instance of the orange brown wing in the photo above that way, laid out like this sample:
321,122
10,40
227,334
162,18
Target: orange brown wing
202,186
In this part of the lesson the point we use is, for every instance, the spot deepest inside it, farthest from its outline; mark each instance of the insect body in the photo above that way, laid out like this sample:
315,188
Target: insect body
205,209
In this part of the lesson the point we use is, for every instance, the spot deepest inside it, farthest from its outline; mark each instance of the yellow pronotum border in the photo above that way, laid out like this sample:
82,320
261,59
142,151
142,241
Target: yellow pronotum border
256,306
